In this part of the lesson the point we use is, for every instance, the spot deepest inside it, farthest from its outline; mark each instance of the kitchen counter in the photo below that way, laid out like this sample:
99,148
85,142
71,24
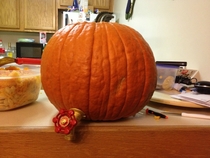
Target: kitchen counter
29,132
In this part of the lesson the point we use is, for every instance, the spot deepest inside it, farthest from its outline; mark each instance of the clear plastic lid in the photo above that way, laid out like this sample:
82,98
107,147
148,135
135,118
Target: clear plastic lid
18,71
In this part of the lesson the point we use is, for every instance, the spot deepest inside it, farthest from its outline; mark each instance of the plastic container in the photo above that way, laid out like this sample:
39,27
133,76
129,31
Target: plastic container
166,76
18,87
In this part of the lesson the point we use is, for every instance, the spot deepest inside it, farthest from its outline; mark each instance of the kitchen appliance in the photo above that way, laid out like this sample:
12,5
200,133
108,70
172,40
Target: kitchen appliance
73,17
29,49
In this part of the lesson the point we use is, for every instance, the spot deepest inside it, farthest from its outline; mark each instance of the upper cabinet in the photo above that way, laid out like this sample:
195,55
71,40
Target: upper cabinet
65,3
39,14
28,15
100,4
10,14
97,4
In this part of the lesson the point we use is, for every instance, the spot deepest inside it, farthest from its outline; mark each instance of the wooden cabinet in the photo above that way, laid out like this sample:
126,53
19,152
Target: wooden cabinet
10,14
39,14
65,3
28,15
100,4
97,4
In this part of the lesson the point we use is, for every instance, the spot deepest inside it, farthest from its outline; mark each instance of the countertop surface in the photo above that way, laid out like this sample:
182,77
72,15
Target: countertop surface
41,113
29,132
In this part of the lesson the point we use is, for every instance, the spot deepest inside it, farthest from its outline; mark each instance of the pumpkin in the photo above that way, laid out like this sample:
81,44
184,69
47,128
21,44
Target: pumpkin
106,70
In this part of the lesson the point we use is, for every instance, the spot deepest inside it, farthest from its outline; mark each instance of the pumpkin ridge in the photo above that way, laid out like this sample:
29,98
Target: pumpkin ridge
60,80
109,104
124,40
86,57
148,75
136,108
69,36
135,103
87,110
138,93
89,92
98,50
109,79
110,107
52,42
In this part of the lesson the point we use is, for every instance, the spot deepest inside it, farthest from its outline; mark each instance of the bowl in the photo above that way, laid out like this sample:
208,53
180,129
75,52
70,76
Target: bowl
19,85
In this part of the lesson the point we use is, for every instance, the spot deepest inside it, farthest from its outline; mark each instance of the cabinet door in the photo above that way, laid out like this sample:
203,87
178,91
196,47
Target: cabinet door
9,14
66,2
100,4
39,14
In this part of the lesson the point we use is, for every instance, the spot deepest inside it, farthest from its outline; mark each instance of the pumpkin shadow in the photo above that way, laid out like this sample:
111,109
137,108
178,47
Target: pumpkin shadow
81,132
85,130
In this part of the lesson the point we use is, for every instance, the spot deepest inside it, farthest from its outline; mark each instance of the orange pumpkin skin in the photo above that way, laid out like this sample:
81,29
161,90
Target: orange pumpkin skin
107,70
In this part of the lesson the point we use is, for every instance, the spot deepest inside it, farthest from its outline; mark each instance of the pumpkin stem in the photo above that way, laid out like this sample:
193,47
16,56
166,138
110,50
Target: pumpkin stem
66,121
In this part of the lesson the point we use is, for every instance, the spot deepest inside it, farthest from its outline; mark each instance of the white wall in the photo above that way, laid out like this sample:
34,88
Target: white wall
175,29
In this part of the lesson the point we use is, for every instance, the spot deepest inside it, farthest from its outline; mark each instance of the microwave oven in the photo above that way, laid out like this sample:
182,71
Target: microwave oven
29,49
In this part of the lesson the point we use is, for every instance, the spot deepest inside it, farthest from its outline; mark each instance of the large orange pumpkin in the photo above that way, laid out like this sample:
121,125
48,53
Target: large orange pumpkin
106,70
